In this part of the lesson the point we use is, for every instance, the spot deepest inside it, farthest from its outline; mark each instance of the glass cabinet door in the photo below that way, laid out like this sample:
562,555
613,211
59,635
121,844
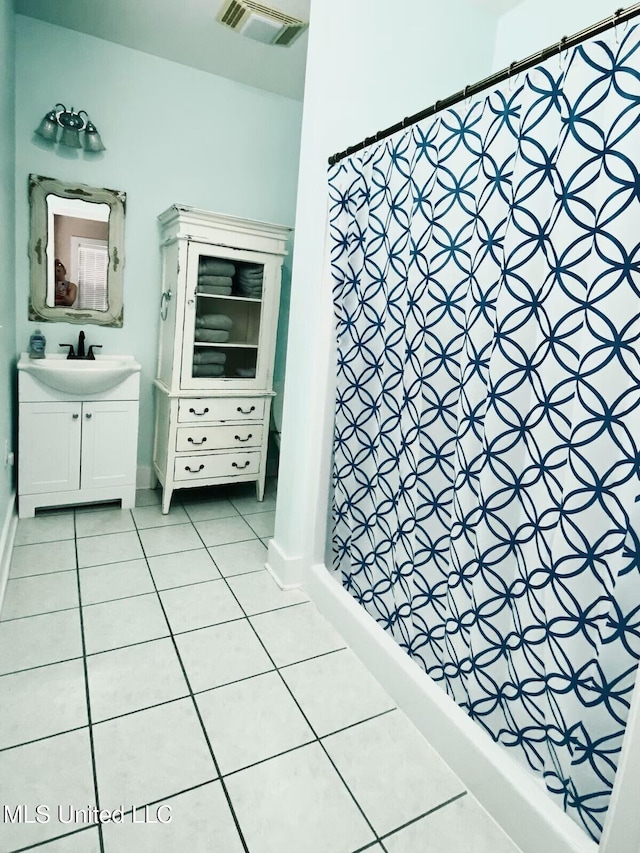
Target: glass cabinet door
224,310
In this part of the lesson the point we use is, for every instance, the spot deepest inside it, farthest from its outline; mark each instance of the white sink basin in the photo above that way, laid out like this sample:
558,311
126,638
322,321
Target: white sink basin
79,376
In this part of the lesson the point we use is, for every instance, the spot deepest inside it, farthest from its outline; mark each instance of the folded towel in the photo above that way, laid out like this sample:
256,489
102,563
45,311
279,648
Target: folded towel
251,269
214,290
212,336
214,321
219,280
214,266
210,370
251,294
209,356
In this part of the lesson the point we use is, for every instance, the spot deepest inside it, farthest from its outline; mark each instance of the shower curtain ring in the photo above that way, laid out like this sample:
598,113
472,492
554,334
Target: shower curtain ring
562,46
511,75
615,20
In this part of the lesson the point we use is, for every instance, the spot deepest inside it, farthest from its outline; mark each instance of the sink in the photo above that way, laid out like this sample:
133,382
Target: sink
79,376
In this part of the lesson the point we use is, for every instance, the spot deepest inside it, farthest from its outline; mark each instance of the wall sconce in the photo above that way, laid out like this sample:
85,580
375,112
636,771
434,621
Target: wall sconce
72,124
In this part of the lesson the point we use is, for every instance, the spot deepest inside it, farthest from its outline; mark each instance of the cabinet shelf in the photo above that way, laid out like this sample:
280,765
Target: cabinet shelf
228,298
226,345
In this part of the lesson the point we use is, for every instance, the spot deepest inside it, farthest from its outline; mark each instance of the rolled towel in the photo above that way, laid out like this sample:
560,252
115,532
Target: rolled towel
251,269
214,266
210,370
212,336
246,372
214,290
209,356
214,321
219,280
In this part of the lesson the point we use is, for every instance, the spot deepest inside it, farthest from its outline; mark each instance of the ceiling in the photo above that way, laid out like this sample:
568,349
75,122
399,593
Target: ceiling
186,31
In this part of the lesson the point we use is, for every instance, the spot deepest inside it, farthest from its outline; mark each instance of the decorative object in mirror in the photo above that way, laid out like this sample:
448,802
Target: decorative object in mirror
72,124
76,251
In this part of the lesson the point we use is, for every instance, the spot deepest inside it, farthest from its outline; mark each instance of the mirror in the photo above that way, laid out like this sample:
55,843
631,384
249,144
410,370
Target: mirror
76,252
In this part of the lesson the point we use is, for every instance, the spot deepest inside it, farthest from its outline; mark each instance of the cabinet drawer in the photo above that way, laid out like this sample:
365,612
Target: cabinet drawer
205,437
203,467
220,409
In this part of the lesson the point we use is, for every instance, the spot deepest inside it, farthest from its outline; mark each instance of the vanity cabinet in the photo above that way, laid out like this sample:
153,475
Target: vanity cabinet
74,451
219,315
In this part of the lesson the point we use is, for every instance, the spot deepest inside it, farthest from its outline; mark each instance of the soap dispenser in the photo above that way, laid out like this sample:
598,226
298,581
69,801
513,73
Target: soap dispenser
37,343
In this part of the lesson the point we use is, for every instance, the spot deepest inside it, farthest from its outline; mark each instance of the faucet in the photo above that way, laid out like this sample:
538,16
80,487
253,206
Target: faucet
80,353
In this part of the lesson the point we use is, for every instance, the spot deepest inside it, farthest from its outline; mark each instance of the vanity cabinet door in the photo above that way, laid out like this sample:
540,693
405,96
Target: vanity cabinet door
109,443
49,451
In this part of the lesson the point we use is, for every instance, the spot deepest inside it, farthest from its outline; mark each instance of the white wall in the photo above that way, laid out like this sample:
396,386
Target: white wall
536,24
173,135
367,67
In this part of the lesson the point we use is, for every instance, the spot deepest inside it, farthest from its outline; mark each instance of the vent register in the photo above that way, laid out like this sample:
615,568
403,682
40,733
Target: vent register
261,23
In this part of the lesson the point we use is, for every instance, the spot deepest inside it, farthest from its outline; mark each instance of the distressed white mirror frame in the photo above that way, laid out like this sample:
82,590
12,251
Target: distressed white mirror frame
39,238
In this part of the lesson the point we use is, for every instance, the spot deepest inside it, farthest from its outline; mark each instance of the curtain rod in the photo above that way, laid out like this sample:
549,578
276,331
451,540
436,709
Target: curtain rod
565,43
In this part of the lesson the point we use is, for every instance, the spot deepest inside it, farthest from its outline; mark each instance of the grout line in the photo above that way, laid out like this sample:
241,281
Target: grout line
197,711
40,666
86,687
39,739
44,613
39,574
425,814
55,838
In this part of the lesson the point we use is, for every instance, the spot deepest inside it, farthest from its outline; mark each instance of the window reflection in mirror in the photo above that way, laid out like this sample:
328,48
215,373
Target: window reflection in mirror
76,245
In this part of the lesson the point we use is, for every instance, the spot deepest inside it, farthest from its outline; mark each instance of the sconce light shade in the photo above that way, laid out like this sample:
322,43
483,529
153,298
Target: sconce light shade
92,141
48,127
73,125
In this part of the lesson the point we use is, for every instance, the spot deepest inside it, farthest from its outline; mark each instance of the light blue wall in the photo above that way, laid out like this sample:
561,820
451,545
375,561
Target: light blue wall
173,135
7,231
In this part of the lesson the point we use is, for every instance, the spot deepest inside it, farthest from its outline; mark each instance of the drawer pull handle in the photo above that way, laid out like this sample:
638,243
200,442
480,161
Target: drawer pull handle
240,467
191,471
199,414
193,441
248,412
237,437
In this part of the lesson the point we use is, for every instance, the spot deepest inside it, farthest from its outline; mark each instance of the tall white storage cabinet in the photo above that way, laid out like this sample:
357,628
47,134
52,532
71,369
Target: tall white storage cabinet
219,316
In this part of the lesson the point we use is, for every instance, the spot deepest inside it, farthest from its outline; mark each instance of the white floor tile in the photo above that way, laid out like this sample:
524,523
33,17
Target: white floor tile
148,497
262,523
238,558
457,828
252,720
169,540
297,802
52,772
151,754
123,623
221,531
249,504
203,510
40,594
222,654
40,640
43,558
391,770
339,674
152,516
87,841
296,633
201,822
199,605
258,592
96,522
45,528
42,702
134,678
115,580
110,548
171,570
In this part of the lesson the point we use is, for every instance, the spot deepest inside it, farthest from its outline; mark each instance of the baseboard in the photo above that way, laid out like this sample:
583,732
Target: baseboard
507,791
146,477
7,539
286,571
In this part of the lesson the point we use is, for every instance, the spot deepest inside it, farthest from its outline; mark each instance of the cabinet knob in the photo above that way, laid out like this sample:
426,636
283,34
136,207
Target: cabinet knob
247,412
75,416
240,467
88,416
237,437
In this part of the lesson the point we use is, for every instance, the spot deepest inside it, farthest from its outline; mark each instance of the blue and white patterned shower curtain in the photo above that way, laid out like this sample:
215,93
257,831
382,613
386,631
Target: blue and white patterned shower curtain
486,268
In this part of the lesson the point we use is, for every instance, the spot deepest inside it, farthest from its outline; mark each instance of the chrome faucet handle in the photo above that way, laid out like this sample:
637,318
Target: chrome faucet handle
91,355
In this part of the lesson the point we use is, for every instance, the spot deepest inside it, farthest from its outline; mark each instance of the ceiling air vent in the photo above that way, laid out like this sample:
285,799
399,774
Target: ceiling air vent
261,23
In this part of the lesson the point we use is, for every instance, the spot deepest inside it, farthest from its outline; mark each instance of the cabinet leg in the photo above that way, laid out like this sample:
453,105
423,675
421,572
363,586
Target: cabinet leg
260,489
166,499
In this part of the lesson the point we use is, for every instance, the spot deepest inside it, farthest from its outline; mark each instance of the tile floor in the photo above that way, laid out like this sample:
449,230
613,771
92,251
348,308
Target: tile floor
151,667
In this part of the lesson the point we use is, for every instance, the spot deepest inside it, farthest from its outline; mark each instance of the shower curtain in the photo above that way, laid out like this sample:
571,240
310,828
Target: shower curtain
486,268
